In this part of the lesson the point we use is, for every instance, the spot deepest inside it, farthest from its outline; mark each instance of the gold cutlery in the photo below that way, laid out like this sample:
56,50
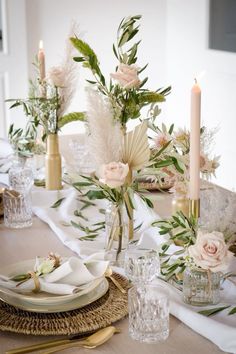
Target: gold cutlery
93,341
108,274
101,334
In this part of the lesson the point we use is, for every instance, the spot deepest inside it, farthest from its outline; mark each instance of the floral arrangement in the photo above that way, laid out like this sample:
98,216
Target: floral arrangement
188,245
118,154
124,90
49,99
176,145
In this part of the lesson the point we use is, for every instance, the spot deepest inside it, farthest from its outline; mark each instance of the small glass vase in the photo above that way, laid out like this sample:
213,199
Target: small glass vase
201,287
117,234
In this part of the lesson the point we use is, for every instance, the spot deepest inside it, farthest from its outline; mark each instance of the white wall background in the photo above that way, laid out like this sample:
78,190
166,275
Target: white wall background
188,55
175,44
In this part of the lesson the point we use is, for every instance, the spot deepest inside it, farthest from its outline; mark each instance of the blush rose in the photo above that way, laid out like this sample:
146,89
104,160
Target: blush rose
210,251
114,174
127,76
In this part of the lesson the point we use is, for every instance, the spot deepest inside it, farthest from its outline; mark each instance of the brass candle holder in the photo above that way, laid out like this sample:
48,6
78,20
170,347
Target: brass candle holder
194,208
53,164
180,204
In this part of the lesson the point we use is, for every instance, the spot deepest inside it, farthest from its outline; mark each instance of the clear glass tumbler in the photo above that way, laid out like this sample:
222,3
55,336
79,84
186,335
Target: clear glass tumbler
17,209
148,313
141,265
21,178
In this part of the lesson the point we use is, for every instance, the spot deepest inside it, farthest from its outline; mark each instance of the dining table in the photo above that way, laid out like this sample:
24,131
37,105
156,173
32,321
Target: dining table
39,239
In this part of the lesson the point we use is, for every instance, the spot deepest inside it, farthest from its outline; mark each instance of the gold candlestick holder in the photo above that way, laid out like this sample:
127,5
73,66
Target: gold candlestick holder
53,164
194,208
180,204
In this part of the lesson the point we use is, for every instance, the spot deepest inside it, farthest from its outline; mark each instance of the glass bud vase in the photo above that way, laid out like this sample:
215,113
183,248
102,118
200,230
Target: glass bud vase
201,287
117,234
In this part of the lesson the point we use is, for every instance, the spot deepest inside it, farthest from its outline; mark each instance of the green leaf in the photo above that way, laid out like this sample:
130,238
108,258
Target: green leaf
82,184
177,166
92,195
91,82
83,47
88,237
232,312
124,38
138,227
164,163
213,311
71,117
57,203
115,52
15,104
151,97
142,69
171,129
77,225
143,82
161,150
78,59
80,215
20,277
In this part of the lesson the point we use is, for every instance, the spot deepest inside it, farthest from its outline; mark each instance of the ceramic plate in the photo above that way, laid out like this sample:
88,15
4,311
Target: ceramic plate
44,302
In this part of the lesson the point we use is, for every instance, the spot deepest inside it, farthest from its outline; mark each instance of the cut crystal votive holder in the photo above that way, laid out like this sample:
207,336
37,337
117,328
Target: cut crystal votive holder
17,210
141,265
148,313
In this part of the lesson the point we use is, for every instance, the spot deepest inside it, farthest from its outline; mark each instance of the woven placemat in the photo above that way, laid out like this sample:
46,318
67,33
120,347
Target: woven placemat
110,308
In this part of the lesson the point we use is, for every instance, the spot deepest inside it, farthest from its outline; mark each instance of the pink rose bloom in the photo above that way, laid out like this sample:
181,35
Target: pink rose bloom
127,76
114,174
210,252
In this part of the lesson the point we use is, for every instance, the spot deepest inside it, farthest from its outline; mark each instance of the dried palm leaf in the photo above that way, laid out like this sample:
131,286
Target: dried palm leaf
136,151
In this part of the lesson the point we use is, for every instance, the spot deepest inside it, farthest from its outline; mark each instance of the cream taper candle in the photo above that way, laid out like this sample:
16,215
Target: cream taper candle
194,169
41,60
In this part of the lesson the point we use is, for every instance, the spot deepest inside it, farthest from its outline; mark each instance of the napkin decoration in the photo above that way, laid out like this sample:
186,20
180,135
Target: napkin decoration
68,277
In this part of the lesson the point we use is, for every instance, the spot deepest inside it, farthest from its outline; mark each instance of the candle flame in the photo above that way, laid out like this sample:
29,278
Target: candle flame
40,44
199,76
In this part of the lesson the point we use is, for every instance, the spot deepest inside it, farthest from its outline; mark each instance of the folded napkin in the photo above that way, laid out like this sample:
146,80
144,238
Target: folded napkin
70,277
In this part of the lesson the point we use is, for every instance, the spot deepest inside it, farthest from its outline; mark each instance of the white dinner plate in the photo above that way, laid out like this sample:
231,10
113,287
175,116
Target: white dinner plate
44,302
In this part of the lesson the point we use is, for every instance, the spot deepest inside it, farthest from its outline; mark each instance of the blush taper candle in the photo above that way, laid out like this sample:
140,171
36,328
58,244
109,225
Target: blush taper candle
194,169
41,60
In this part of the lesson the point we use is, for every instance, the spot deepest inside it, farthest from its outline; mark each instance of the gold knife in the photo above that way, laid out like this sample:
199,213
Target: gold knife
44,345
100,334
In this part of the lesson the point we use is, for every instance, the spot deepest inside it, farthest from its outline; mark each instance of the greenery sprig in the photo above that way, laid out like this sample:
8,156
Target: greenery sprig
127,103
182,232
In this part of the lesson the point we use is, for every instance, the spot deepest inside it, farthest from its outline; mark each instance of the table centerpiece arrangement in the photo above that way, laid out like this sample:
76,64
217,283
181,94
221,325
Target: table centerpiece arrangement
195,259
118,153
49,98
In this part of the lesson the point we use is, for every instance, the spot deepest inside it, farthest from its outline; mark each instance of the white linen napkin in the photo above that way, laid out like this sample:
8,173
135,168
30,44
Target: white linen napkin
68,278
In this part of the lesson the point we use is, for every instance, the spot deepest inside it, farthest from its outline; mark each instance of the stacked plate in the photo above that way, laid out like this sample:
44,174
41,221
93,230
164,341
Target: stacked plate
49,303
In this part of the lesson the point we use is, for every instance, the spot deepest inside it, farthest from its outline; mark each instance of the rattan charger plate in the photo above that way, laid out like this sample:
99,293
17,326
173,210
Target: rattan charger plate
110,308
